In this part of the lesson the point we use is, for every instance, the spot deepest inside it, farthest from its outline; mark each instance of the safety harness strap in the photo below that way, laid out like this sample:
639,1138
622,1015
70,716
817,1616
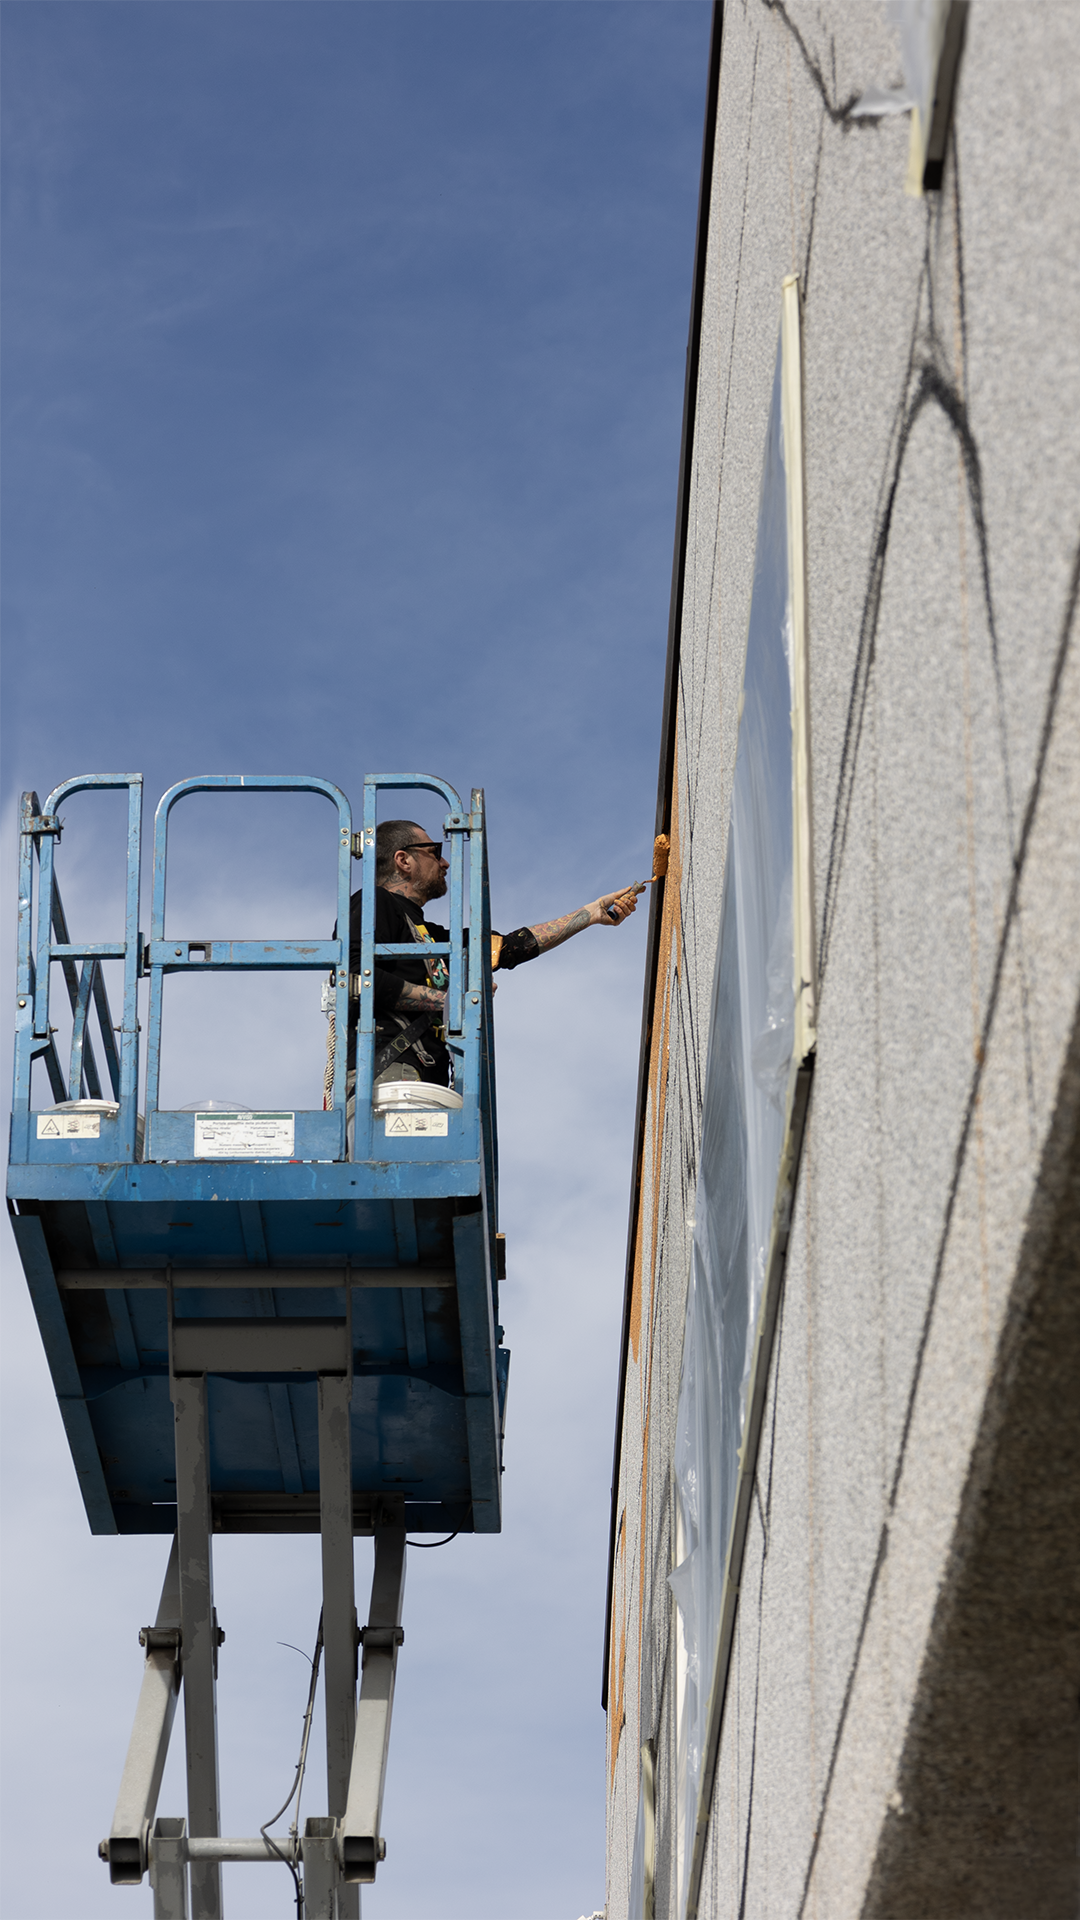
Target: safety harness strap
403,1041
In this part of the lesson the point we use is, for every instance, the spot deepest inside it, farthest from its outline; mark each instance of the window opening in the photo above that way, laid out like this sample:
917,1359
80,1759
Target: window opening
761,1040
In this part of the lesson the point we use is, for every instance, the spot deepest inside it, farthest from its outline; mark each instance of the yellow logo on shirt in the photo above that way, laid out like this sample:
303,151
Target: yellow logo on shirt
437,970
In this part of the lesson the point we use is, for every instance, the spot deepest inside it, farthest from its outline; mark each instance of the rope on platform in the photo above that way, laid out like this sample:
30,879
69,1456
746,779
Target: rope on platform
331,1051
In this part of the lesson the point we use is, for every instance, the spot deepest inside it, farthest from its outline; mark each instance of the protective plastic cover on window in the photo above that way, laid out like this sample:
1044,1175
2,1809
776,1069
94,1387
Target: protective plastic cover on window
746,1111
921,27
641,1905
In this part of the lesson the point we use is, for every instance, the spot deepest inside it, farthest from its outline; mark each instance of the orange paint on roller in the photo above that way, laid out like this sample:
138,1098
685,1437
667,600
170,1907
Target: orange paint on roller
660,857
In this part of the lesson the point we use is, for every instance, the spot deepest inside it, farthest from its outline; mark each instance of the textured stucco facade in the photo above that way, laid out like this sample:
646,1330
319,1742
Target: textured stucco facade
899,1732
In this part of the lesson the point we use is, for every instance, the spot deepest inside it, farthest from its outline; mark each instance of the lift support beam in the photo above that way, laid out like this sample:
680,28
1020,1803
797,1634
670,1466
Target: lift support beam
339,1852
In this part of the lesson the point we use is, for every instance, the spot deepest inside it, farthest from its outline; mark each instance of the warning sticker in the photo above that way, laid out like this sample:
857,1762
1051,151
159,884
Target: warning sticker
244,1136
429,1123
69,1126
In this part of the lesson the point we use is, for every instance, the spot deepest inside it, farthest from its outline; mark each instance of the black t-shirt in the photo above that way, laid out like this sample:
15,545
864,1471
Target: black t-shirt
395,916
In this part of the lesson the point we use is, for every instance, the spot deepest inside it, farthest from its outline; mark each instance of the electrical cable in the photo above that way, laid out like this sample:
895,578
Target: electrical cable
440,1543
298,1778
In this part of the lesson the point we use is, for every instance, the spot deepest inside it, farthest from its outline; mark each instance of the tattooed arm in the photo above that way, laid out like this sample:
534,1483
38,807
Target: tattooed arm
606,912
418,999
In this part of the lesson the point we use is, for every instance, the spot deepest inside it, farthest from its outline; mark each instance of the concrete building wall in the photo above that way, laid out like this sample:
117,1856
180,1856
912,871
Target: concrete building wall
900,1719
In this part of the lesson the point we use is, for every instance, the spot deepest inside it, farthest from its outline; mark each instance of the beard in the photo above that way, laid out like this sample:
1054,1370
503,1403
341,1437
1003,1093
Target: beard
434,889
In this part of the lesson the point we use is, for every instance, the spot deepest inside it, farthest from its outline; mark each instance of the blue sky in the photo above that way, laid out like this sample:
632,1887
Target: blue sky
343,364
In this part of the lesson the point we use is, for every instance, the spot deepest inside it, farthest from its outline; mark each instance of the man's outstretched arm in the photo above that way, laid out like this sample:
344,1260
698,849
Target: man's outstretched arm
527,942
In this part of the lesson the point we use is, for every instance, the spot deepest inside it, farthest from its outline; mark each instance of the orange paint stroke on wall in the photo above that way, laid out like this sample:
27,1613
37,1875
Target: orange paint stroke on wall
645,1252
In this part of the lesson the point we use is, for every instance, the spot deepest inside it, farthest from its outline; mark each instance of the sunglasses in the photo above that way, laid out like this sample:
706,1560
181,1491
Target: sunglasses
425,846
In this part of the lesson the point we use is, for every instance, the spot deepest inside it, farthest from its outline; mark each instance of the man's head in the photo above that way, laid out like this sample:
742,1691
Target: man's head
409,861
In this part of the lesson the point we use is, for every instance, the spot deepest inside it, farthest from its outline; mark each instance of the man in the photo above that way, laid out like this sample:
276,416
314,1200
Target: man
409,872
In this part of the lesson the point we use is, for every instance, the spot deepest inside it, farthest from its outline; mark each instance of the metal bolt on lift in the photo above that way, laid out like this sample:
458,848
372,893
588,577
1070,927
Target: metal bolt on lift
183,1253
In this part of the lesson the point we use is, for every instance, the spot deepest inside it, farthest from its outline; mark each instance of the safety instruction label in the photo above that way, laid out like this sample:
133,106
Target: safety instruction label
244,1136
429,1123
69,1126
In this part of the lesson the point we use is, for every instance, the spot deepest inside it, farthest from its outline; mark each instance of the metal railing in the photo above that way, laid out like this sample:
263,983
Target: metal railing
44,938
469,992
169,1134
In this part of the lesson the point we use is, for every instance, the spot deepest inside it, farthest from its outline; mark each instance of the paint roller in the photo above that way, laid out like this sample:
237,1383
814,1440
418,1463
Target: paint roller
661,854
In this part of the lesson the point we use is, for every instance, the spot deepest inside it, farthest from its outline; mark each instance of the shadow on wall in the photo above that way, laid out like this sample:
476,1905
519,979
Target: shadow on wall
988,1787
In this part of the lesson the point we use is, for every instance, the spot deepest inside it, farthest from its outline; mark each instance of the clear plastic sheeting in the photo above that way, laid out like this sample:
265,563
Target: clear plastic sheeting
643,1864
921,26
744,1122
636,1907
876,102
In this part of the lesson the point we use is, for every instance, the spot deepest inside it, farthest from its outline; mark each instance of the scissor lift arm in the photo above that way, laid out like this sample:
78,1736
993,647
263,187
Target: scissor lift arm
340,1851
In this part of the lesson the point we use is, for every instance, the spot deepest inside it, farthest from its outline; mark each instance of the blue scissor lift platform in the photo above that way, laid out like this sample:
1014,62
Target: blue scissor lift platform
272,1323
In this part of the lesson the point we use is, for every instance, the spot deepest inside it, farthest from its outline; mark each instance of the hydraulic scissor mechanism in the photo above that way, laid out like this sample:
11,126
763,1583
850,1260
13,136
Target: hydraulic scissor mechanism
338,1852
